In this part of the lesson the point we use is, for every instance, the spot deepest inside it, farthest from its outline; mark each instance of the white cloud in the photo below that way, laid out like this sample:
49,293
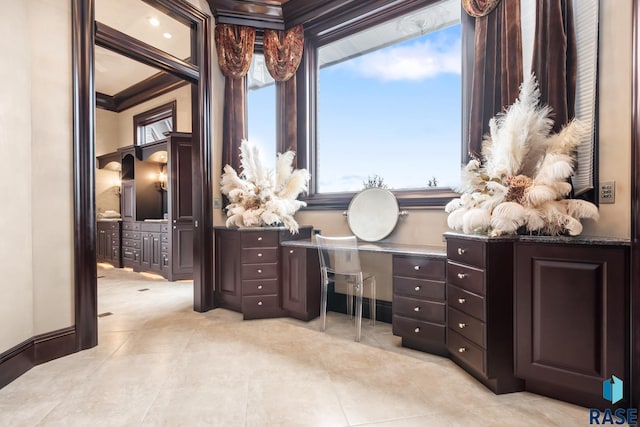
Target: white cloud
419,61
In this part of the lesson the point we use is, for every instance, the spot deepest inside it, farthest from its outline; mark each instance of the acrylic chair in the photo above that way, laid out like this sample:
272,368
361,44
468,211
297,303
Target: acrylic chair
339,257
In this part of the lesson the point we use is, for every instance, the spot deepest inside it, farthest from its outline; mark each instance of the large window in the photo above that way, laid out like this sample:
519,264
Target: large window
389,104
261,110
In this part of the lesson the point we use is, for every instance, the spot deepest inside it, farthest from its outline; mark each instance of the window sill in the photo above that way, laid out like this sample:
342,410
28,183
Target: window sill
406,199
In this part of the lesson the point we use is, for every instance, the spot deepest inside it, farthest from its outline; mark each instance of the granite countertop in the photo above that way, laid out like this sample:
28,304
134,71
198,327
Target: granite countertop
383,247
573,240
109,219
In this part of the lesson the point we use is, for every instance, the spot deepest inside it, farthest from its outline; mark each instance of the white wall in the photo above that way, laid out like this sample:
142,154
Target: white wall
16,263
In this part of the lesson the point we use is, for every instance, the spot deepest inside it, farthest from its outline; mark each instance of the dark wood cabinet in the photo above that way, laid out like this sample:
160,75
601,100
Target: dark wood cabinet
248,269
480,309
419,302
300,282
108,246
571,319
145,203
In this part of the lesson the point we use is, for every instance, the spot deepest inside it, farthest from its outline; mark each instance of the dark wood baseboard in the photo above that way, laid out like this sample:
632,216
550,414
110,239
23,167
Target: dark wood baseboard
338,302
34,351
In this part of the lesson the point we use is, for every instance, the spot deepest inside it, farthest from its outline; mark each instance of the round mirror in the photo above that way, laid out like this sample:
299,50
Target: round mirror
373,214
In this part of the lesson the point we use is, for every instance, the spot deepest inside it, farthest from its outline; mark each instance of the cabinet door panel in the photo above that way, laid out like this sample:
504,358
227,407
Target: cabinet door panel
571,315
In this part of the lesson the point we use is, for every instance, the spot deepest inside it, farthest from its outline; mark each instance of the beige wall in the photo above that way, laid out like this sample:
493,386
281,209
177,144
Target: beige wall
615,117
36,290
107,131
16,263
52,164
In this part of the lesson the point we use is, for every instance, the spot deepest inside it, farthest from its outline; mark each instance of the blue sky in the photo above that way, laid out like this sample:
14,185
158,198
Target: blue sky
393,113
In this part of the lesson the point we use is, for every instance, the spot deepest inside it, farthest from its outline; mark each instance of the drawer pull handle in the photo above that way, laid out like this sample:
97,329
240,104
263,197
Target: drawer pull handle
416,308
259,286
461,275
417,288
461,300
462,325
416,330
416,267
290,251
461,251
259,238
259,254
462,350
259,302
259,271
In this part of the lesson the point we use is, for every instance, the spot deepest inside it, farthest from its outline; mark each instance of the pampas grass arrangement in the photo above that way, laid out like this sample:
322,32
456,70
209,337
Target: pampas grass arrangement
260,196
522,181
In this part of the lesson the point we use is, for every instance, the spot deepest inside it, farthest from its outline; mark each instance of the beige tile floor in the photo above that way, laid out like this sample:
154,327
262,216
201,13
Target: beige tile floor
159,363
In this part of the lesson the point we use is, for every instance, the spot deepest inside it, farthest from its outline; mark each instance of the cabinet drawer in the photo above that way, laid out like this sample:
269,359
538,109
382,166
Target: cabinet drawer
164,228
469,278
428,311
418,267
260,287
130,234
261,306
131,254
128,225
164,247
259,271
418,329
466,251
130,243
467,326
419,288
466,302
258,239
259,255
465,351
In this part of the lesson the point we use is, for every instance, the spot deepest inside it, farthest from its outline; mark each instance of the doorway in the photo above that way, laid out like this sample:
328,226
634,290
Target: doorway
86,33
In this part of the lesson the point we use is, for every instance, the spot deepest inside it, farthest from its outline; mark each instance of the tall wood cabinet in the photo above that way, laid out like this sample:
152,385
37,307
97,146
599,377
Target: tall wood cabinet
571,317
248,269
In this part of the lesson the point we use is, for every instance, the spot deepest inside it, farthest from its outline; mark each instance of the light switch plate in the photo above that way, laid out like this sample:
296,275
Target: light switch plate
217,203
607,192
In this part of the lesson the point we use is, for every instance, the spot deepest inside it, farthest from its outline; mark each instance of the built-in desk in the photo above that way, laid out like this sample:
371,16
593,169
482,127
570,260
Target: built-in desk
418,308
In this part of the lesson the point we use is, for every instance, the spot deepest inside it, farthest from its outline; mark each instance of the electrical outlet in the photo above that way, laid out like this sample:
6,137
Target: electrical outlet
608,192
217,203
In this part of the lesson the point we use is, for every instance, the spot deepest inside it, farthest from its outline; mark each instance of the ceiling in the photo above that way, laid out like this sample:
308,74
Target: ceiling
115,72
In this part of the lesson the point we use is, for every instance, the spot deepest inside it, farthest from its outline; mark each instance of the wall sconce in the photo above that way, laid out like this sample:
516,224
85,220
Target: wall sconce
116,184
162,181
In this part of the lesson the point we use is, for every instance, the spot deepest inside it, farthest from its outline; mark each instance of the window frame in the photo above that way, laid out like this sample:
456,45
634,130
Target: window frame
161,112
307,86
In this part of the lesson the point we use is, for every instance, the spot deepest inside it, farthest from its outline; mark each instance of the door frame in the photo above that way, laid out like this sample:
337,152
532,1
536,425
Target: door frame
84,35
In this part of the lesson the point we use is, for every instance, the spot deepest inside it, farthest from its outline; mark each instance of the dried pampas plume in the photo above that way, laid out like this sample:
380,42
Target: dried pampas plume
258,196
522,180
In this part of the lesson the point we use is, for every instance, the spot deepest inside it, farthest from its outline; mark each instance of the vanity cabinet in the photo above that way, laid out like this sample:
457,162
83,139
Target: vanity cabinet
247,269
108,242
571,319
480,309
131,244
419,302
301,285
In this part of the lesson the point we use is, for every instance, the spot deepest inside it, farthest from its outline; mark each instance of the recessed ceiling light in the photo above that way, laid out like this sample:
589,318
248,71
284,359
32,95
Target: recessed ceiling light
167,35
154,22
